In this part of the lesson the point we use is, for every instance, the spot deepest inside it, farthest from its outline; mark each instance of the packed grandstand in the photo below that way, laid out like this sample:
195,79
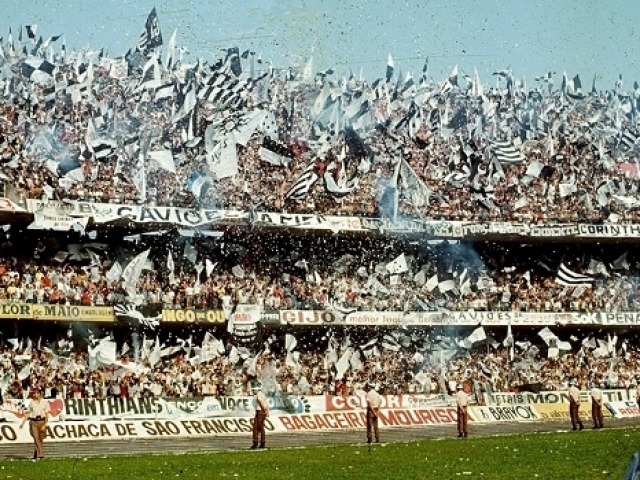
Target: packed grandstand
177,230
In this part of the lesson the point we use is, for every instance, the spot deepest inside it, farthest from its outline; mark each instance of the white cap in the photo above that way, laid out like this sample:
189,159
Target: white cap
459,386
256,387
371,383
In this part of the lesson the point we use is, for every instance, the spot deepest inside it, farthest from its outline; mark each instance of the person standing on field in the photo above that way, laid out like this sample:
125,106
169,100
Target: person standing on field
38,416
574,406
462,402
374,402
596,407
262,412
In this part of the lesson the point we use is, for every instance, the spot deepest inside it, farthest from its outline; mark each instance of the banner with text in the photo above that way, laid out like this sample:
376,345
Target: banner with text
510,413
125,430
624,409
560,411
359,402
109,212
75,313
191,315
527,398
356,419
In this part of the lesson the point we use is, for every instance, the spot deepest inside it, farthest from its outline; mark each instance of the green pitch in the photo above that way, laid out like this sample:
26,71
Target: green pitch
588,454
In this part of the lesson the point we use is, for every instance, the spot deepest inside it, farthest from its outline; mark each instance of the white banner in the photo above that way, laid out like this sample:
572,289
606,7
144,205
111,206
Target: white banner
512,413
162,408
246,314
555,397
624,409
462,318
470,318
117,429
359,402
357,419
107,212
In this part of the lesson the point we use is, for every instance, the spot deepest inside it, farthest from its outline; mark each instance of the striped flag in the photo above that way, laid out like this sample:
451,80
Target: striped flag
629,139
434,121
450,82
569,278
390,67
303,184
102,148
225,89
506,152
151,37
164,91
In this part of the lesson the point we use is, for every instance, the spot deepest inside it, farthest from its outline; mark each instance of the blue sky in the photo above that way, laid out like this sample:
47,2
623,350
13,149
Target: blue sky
531,37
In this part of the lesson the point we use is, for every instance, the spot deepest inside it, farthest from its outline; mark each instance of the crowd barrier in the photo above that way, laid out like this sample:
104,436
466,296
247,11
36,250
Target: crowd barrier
99,419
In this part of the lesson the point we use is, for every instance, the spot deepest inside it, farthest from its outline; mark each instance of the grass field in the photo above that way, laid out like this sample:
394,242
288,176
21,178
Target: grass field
584,455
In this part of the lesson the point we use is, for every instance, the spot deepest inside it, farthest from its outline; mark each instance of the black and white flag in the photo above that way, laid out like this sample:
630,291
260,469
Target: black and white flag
303,184
506,152
390,68
31,31
569,278
151,37
37,69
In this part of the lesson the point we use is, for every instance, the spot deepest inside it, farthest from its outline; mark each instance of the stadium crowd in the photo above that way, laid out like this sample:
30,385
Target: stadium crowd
277,272
576,155
451,150
417,368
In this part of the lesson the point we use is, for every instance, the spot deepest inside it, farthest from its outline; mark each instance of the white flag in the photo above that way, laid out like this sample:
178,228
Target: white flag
114,273
290,342
155,355
25,372
399,265
170,265
343,364
432,283
190,253
103,354
238,271
209,267
132,271
477,335
164,159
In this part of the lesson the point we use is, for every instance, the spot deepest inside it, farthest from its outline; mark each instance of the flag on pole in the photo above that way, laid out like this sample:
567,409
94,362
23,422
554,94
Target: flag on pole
132,271
151,37
399,265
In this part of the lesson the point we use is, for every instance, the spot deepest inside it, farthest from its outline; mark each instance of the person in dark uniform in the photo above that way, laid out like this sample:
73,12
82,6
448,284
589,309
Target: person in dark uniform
262,412
38,416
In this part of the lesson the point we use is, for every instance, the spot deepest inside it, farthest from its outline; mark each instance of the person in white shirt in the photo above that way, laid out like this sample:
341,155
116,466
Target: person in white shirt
374,402
462,403
596,406
574,406
38,416
262,412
